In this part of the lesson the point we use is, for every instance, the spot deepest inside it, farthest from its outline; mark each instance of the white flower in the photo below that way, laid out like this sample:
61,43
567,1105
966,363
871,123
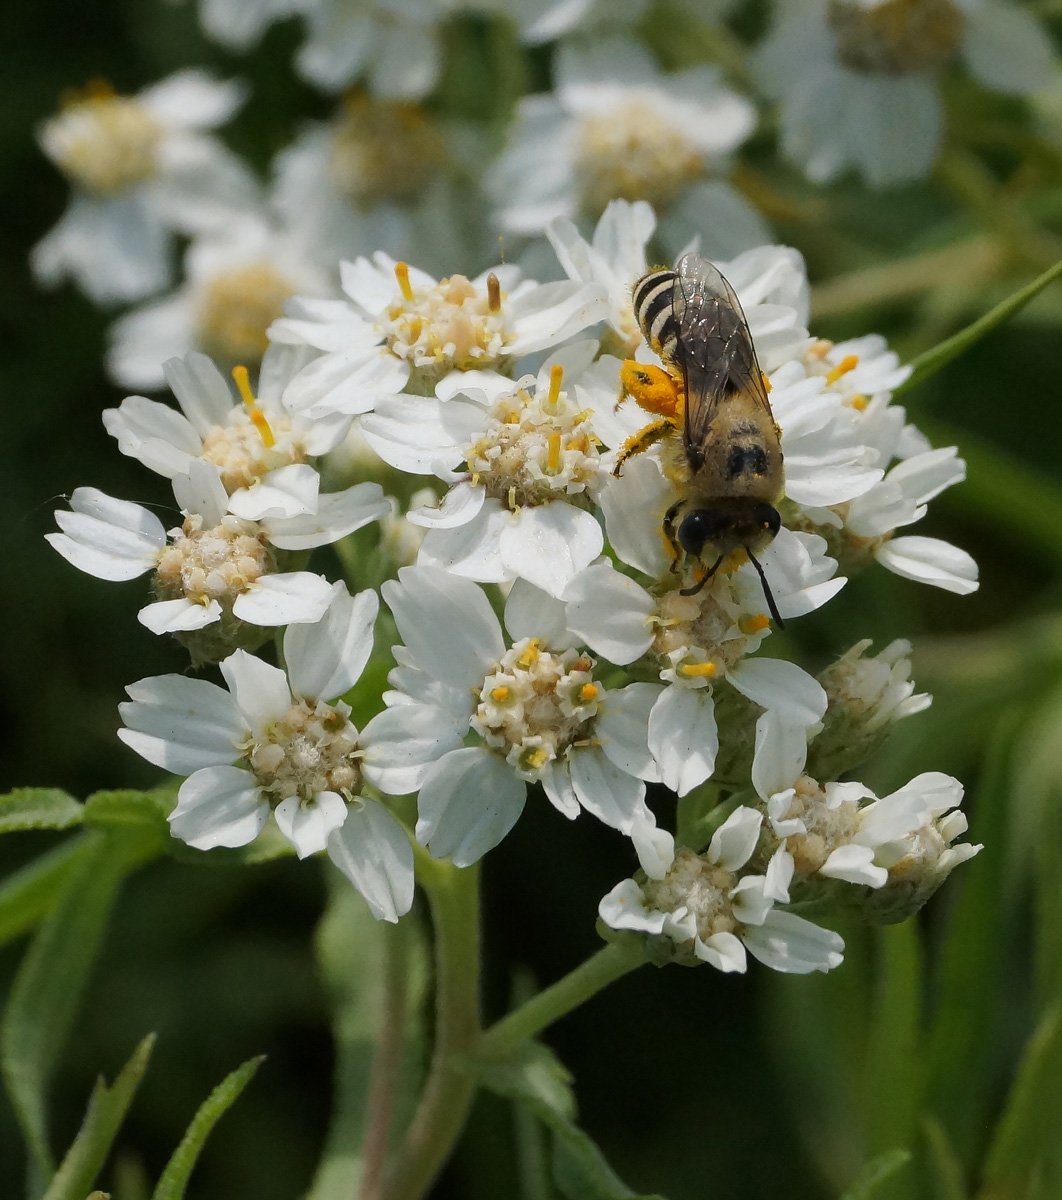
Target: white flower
404,332
216,566
697,642
239,24
537,711
246,440
856,77
141,167
524,462
282,744
712,913
237,279
618,128
544,20
390,44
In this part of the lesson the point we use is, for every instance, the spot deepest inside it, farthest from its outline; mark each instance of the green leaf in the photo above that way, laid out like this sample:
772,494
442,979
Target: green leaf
38,808
946,1168
30,893
1028,1129
877,1172
142,812
929,363
106,1111
48,988
178,1170
534,1078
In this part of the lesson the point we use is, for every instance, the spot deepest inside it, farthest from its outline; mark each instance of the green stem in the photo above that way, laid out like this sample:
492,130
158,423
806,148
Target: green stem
454,898
601,969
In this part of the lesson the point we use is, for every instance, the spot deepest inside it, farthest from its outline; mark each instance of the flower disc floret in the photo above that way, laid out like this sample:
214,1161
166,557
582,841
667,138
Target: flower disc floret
243,457
312,748
104,143
237,308
383,150
698,893
217,563
895,37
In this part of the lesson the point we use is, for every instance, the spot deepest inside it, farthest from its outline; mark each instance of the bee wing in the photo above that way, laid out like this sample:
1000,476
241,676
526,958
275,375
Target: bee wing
715,350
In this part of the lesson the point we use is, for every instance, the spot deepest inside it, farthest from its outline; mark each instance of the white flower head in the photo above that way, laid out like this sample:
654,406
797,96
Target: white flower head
536,708
141,166
282,744
618,128
403,331
711,911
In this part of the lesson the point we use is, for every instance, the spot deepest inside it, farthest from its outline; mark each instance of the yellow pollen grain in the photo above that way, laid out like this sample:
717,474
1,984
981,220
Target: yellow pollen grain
553,458
848,363
530,655
402,275
754,624
766,382
556,376
494,296
859,402
258,418
588,692
704,670
499,695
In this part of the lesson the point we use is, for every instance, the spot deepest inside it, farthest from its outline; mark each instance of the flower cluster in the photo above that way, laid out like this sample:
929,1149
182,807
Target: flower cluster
549,636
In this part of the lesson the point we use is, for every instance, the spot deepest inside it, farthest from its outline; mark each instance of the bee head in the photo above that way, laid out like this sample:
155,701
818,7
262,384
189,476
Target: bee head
701,527
727,528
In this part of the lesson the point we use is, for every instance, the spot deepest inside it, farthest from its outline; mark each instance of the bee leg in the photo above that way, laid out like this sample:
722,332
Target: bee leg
692,591
652,388
669,533
641,441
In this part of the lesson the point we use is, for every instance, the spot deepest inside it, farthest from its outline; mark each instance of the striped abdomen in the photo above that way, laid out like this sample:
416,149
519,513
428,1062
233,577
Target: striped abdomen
655,313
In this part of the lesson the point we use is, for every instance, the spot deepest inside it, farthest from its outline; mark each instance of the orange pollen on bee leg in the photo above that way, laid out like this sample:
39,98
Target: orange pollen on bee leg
848,363
499,695
556,376
749,625
258,418
704,670
652,388
494,293
766,382
553,456
588,692
402,275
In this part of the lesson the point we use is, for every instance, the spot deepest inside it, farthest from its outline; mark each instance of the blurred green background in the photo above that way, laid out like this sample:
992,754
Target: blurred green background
693,1084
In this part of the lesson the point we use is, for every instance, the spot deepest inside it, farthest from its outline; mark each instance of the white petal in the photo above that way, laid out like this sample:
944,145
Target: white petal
402,743
723,951
338,513
260,690
929,560
605,790
307,824
733,842
460,504
416,433
192,99
373,852
780,754
284,599
624,908
622,729
749,900
468,802
633,506
446,623
182,724
472,550
289,491
326,658
684,737
200,389
854,864
610,612
548,544
1008,49
774,683
201,491
655,848
788,943
137,422
531,612
219,806
111,539
174,616
556,780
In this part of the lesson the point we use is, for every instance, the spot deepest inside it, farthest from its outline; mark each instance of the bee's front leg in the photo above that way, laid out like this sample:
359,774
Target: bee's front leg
670,534
641,441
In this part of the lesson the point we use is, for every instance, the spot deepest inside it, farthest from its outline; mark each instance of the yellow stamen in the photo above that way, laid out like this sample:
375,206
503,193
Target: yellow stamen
535,759
512,499
258,418
704,670
820,349
583,663
530,655
499,695
754,624
588,692
848,363
858,401
402,275
493,292
556,375
553,456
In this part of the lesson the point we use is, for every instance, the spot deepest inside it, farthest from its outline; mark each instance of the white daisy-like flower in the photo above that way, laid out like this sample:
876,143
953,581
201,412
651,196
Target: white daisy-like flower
217,566
141,166
535,708
404,332
239,24
856,78
699,643
390,45
246,438
874,691
282,744
828,830
617,127
236,281
524,460
712,913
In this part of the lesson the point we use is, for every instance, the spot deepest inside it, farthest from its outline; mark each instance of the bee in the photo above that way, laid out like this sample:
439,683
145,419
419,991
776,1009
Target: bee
728,465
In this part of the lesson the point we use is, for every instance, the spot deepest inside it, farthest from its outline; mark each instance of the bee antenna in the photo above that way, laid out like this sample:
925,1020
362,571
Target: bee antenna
766,588
692,591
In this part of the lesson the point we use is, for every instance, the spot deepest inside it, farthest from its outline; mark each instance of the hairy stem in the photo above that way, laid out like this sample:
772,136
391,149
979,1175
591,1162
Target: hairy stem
453,894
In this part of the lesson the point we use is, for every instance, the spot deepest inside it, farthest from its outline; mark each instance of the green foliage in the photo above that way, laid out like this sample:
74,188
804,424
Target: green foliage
876,1173
178,1170
38,808
106,1111
30,893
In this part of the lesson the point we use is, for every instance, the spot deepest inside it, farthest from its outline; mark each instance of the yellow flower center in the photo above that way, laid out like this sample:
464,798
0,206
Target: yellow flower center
237,309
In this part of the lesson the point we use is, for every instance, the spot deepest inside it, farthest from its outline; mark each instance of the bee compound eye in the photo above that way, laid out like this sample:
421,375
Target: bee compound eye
767,516
699,527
